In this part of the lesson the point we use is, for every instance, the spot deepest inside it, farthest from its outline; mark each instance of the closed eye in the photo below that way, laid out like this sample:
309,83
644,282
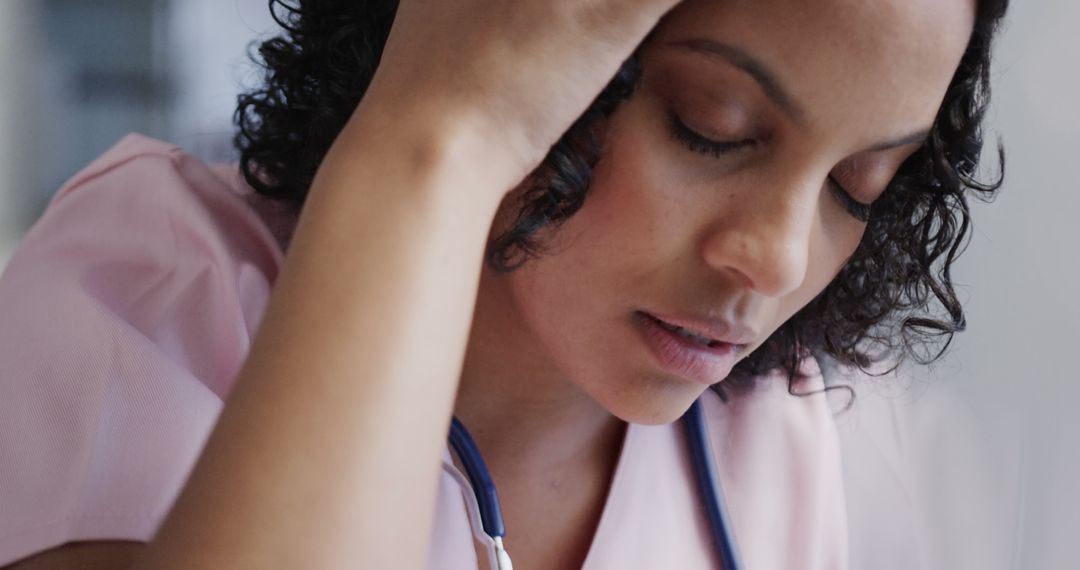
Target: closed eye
858,210
701,144
704,145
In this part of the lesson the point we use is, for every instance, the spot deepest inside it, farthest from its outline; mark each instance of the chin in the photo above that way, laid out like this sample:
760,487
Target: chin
657,403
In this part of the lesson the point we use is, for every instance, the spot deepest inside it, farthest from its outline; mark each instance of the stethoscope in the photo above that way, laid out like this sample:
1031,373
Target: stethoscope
704,470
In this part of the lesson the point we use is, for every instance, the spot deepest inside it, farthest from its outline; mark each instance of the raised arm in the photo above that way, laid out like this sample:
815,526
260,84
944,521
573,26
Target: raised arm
327,452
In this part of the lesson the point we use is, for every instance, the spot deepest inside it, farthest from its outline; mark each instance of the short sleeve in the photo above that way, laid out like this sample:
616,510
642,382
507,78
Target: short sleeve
127,311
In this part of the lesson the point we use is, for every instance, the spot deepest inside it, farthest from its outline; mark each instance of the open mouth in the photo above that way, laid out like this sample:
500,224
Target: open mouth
699,339
686,353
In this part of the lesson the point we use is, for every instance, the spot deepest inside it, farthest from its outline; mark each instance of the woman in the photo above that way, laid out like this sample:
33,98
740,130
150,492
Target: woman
770,185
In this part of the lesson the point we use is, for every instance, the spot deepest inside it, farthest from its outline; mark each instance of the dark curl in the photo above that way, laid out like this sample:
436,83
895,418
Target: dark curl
894,299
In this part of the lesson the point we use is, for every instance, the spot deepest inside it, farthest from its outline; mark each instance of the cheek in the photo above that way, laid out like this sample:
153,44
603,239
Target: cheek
632,218
605,261
833,241
631,199
637,195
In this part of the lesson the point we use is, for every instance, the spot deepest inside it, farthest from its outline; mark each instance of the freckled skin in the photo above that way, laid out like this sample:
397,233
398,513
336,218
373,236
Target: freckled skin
751,237
555,363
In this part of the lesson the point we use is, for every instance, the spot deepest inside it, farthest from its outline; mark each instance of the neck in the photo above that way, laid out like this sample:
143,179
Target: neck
526,415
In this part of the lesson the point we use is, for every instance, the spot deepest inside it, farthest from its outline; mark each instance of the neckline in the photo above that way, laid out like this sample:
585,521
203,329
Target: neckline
612,506
608,515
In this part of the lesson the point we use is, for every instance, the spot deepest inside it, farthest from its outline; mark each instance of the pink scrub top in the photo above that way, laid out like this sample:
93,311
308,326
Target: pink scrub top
130,306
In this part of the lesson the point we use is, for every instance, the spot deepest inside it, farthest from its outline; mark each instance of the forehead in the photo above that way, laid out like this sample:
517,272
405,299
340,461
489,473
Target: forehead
885,61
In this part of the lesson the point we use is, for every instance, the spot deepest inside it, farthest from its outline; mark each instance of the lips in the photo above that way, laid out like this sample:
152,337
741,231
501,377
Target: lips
703,360
716,330
687,334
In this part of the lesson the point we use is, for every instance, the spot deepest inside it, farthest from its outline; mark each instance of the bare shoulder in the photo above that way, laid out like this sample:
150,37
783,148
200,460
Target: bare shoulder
96,555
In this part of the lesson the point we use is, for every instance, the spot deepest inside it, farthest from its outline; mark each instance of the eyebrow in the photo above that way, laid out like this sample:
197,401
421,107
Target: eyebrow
774,88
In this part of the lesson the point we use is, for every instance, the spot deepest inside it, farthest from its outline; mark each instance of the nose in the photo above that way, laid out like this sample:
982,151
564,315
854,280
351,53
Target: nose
763,235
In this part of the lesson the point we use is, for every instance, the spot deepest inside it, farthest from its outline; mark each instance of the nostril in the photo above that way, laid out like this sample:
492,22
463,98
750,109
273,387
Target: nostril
769,262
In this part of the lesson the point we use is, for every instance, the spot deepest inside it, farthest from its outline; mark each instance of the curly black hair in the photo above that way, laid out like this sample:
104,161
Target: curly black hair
893,300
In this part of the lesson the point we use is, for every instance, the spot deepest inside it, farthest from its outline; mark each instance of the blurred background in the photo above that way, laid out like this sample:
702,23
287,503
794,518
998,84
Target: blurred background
79,75
985,445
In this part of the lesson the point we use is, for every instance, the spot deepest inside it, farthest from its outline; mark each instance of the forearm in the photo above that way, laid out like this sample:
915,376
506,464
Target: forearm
327,452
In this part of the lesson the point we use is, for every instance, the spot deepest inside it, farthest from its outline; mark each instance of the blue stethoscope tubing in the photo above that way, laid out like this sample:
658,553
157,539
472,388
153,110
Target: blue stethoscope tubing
709,483
704,470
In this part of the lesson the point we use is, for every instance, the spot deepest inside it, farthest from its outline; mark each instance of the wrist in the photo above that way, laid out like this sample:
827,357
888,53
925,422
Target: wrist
441,138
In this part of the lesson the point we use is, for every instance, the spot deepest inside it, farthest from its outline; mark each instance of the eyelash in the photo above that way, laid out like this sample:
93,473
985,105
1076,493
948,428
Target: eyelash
716,149
703,145
857,209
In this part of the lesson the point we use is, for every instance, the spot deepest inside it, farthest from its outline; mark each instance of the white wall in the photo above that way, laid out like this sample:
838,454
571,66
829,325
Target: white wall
1010,379
1025,312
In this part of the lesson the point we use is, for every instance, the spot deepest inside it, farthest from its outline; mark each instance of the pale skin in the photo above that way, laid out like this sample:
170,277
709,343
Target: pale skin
544,379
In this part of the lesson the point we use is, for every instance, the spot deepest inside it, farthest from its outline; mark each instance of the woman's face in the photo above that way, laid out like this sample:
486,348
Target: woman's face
815,103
